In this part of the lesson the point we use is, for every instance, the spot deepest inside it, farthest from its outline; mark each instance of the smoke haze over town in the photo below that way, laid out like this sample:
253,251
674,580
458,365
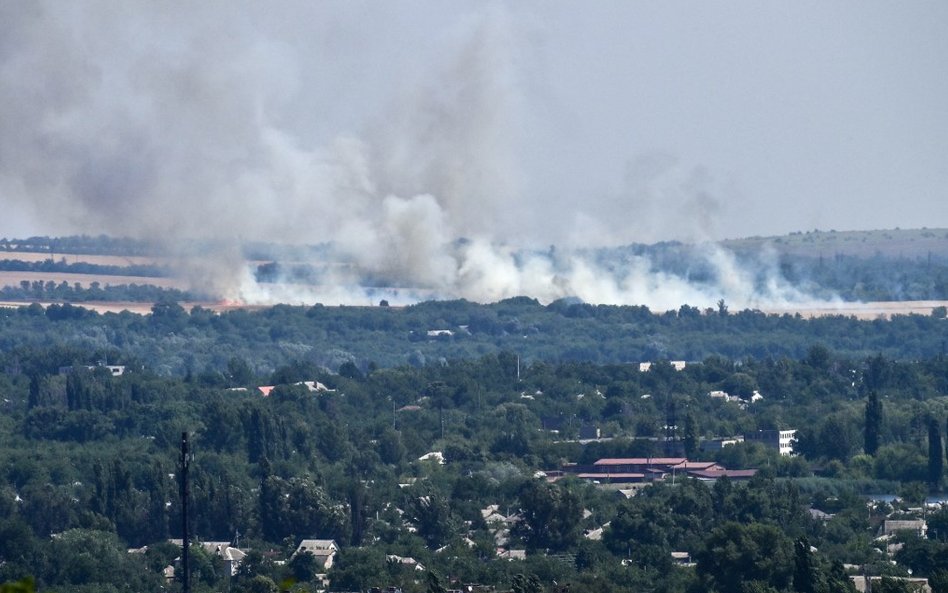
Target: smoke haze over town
445,147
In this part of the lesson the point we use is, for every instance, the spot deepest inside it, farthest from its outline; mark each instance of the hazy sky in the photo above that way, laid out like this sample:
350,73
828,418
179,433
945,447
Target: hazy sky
546,122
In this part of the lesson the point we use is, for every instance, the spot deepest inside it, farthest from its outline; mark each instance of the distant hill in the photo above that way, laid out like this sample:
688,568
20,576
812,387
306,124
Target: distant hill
894,243
858,266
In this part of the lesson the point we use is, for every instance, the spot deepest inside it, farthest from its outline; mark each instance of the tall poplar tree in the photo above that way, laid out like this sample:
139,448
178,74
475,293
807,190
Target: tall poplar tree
806,573
691,437
873,423
935,458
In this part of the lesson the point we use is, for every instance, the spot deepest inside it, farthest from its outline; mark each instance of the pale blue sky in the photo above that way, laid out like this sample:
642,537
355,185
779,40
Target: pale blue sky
581,123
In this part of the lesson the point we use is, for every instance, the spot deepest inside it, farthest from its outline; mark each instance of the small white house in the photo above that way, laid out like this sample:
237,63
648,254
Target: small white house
323,549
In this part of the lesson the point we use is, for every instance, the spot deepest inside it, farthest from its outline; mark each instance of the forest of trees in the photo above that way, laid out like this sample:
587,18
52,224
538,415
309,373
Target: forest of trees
61,265
88,464
89,476
174,341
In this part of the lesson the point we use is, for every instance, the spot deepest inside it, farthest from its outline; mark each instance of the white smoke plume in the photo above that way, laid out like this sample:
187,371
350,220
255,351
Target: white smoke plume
182,122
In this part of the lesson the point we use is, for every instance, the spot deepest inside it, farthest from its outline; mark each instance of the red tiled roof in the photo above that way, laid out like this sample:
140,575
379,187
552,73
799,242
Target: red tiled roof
699,465
641,461
608,476
730,473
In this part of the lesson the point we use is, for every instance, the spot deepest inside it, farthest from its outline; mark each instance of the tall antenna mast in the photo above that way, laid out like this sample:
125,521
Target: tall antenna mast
185,535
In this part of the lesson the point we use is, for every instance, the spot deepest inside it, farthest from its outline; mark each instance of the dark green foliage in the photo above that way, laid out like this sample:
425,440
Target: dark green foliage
736,553
304,567
524,584
51,265
891,585
173,341
938,525
358,569
938,581
95,455
923,556
431,514
72,293
935,454
550,516
806,572
691,437
434,584
873,424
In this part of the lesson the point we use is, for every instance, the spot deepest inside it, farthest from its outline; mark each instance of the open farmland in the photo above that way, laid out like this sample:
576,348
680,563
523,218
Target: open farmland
869,310
86,280
73,258
868,274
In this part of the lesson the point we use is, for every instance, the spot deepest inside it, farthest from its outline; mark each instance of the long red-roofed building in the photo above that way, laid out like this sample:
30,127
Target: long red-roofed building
648,469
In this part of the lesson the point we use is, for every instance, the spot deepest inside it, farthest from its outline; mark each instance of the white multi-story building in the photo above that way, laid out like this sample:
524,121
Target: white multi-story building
781,440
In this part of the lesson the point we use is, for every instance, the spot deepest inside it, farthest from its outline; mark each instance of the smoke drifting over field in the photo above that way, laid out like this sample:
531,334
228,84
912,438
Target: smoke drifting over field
181,122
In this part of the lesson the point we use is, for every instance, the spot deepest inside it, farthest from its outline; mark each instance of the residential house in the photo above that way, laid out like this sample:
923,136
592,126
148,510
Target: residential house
504,554
406,561
116,370
324,550
596,534
682,559
710,445
917,585
232,556
678,365
314,386
589,432
917,526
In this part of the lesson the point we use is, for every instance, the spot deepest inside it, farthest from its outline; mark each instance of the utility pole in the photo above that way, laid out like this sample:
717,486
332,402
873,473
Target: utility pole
185,536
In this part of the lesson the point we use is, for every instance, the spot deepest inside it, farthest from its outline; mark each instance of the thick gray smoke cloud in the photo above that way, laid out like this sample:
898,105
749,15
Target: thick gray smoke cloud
176,122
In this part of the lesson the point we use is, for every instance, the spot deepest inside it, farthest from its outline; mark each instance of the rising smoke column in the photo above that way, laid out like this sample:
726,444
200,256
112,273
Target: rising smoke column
180,123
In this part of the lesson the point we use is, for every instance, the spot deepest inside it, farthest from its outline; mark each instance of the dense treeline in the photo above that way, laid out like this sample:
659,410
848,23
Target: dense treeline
175,341
874,278
64,292
83,244
88,469
62,266
870,277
